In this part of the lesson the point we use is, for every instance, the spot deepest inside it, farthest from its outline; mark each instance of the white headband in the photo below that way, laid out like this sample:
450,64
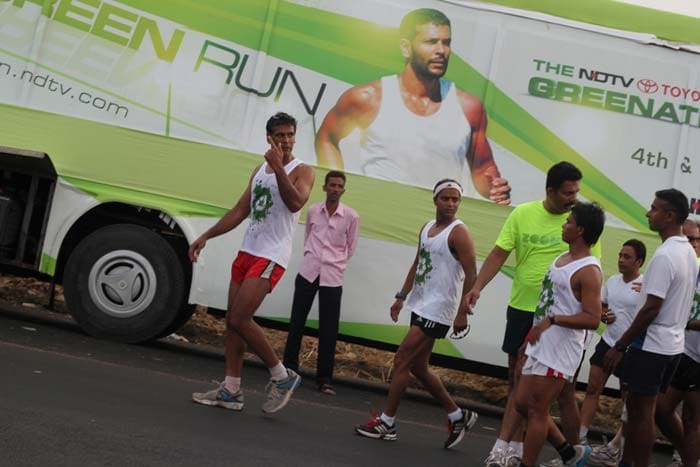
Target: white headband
445,185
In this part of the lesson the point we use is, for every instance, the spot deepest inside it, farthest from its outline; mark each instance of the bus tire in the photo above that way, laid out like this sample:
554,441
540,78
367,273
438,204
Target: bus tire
124,282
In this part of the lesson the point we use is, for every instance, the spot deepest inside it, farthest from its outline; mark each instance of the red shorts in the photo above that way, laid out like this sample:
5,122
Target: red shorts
246,265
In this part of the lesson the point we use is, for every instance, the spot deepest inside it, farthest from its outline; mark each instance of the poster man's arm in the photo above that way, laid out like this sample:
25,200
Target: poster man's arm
485,174
356,108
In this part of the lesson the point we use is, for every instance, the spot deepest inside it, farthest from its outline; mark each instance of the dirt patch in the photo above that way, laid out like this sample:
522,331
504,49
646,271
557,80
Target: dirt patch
351,360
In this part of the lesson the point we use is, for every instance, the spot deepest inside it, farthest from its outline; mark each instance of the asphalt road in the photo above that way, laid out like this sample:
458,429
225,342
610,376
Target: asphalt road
68,399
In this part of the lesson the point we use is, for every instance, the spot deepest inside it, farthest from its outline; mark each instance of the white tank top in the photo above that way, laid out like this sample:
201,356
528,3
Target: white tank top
692,338
436,288
272,224
408,148
560,348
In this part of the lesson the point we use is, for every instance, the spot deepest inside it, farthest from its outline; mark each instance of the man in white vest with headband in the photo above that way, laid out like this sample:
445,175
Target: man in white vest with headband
442,272
273,199
568,308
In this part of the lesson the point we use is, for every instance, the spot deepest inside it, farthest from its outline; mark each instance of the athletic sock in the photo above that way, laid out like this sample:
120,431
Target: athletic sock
566,451
517,447
500,444
583,432
278,372
388,421
455,416
232,384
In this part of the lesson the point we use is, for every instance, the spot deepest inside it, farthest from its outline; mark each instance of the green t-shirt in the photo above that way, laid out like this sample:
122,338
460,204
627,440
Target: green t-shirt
535,235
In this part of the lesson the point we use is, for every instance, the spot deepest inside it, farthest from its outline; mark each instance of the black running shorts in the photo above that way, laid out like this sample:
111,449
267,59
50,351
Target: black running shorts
430,328
518,325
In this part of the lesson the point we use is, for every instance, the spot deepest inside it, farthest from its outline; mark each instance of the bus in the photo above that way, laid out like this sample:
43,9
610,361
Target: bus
128,127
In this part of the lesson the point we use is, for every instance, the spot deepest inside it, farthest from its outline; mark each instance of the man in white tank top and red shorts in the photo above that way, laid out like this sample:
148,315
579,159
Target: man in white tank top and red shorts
416,126
277,191
443,270
569,305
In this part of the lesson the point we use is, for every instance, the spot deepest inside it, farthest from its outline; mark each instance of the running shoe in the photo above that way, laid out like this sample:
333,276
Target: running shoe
511,458
377,429
604,455
497,458
556,462
582,454
220,397
457,429
278,393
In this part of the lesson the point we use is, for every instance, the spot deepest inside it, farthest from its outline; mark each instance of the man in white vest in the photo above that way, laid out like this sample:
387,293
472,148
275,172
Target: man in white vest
445,260
273,199
568,306
416,127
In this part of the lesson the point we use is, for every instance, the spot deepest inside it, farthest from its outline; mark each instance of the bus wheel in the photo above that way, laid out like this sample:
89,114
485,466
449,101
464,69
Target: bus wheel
124,282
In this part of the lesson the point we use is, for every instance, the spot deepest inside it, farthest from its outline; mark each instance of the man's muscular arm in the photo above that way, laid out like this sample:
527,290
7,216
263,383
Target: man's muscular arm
295,188
587,281
356,108
461,242
484,171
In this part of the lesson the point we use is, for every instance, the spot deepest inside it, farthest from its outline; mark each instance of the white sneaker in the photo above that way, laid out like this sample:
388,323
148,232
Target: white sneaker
556,462
511,458
496,458
604,455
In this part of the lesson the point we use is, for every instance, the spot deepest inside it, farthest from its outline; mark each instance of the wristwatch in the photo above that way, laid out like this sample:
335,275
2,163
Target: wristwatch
400,295
619,347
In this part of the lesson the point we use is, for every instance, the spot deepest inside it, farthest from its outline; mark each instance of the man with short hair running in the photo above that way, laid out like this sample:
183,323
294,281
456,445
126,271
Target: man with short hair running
684,431
533,231
445,258
569,304
273,199
653,344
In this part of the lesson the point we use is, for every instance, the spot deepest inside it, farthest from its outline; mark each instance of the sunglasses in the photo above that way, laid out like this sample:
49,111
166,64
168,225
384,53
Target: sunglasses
462,334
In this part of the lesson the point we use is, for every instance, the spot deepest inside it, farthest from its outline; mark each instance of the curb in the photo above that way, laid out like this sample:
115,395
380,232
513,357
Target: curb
41,315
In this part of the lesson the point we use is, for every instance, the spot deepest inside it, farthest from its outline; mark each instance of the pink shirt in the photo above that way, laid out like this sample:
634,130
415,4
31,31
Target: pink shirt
329,243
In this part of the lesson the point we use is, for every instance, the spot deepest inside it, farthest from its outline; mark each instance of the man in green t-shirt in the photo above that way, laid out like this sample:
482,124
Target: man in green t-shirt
533,230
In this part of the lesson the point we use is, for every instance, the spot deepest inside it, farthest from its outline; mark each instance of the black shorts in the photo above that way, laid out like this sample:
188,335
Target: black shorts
597,358
518,324
430,328
687,375
648,373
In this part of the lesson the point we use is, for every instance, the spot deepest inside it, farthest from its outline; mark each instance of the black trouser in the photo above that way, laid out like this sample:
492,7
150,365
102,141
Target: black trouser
328,316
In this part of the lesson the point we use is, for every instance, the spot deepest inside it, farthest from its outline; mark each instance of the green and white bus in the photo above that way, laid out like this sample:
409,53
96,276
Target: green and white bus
128,127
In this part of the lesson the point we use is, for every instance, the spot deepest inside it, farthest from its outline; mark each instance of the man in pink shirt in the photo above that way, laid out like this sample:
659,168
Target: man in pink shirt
332,229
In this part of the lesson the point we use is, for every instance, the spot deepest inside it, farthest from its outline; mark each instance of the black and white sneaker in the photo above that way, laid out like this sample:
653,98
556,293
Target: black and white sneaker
377,429
457,429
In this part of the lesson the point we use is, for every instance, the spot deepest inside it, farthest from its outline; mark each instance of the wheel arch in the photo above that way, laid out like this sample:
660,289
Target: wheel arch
110,213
